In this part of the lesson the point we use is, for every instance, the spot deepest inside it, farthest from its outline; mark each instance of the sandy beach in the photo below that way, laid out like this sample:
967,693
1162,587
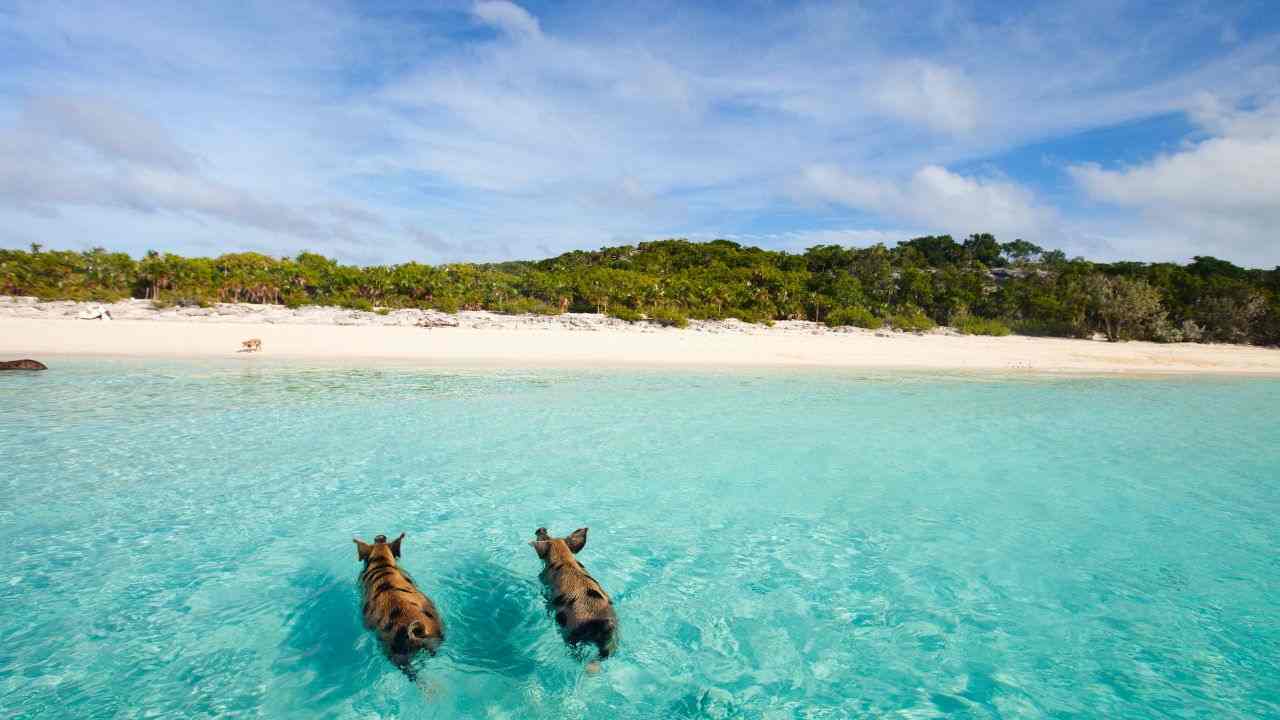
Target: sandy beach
50,330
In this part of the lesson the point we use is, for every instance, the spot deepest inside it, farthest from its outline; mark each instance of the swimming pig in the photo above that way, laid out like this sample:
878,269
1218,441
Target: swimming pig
406,620
583,610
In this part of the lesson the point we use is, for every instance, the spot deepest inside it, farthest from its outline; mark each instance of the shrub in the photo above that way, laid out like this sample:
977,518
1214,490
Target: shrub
106,296
1046,328
982,326
1126,308
855,316
668,317
625,313
383,311
746,315
160,305
446,304
526,306
911,319
359,304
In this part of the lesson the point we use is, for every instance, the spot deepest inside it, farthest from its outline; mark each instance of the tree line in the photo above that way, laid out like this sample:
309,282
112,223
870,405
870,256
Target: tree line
977,285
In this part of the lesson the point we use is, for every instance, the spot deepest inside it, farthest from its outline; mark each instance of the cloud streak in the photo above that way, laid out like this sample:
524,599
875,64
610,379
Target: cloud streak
936,199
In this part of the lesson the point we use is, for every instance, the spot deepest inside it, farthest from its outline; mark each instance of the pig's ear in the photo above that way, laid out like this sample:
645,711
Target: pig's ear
577,540
395,545
541,534
362,549
541,547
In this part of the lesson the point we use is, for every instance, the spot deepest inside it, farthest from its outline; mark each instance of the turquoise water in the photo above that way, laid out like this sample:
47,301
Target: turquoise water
176,541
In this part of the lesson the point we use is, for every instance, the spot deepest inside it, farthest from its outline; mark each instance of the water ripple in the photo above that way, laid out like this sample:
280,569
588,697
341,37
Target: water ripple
177,539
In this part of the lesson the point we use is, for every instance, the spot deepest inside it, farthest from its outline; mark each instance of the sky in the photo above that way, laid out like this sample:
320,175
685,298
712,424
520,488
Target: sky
485,130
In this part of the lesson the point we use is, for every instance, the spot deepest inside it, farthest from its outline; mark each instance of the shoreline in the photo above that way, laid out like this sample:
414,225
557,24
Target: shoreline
487,340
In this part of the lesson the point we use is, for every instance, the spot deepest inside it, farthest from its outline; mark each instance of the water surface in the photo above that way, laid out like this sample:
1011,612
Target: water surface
177,542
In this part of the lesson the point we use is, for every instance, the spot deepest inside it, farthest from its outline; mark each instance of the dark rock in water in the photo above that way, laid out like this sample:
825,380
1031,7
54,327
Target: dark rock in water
24,364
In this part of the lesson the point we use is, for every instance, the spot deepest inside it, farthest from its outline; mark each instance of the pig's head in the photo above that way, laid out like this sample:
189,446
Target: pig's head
549,548
382,550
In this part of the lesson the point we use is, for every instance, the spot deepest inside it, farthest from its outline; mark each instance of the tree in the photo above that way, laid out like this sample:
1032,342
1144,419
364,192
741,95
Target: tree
1126,308
937,250
1229,310
983,248
1020,251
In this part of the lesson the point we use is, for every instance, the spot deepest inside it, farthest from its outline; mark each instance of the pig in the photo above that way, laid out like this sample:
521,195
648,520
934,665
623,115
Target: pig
583,610
404,618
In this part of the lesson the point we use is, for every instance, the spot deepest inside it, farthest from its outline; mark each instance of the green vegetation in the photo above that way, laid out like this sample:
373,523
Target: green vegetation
670,317
970,325
911,319
626,313
920,282
854,316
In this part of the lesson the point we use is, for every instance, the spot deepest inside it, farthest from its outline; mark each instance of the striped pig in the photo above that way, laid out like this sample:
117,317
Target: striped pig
583,610
405,619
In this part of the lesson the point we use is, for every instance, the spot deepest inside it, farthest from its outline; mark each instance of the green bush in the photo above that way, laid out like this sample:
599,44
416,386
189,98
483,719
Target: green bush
446,304
383,311
1045,328
982,326
526,306
853,316
911,319
358,304
749,315
160,305
668,317
625,313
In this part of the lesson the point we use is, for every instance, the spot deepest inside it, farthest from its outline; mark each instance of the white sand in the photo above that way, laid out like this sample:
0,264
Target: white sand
45,331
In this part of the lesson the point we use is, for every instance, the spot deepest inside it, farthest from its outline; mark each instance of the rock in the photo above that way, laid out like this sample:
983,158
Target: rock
24,364
434,319
95,312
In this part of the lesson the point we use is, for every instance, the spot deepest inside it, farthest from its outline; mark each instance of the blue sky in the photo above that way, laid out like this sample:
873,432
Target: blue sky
489,130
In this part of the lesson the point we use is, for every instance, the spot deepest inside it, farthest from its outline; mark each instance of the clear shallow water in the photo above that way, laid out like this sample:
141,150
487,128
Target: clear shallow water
176,542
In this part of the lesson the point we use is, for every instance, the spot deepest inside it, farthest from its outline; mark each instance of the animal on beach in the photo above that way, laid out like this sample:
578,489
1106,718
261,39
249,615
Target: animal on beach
404,618
24,364
583,610
251,345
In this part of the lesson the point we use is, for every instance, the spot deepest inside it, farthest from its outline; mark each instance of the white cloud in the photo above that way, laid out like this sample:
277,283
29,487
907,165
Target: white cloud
509,17
66,153
1221,194
928,94
402,133
937,199
115,133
